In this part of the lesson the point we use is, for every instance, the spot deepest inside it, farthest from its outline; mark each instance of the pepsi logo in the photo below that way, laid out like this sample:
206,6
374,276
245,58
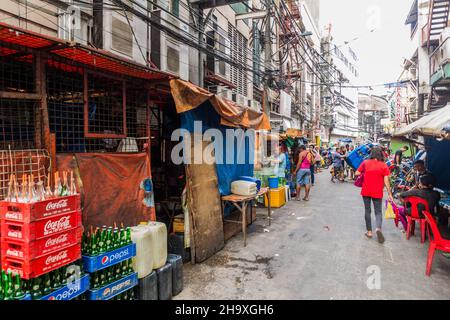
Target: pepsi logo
105,260
52,298
106,292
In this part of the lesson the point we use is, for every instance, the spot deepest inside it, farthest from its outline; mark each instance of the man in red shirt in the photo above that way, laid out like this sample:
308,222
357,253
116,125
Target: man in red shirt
376,177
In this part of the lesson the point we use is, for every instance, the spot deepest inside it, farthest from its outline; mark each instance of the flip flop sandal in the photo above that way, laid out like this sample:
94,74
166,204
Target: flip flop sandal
380,236
304,199
367,235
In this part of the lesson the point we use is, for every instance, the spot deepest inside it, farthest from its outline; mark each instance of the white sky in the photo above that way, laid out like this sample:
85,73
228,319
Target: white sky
380,52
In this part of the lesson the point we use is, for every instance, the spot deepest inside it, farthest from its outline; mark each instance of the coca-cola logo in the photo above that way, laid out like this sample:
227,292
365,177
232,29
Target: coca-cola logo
14,216
57,205
14,253
56,258
57,240
15,234
55,226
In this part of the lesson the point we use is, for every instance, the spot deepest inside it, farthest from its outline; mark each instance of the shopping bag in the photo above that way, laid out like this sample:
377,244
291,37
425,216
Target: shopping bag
389,214
359,181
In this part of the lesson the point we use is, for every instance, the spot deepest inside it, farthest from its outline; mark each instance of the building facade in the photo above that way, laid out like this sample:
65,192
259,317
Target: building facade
340,96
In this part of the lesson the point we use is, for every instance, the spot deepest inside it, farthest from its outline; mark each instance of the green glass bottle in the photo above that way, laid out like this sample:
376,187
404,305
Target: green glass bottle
116,238
57,281
47,285
102,275
8,287
95,280
123,237
19,293
117,271
129,236
130,269
1,286
124,268
84,244
93,247
36,290
109,244
110,275
102,241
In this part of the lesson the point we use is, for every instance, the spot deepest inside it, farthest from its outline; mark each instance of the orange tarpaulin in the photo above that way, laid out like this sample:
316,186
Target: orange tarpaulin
109,185
188,96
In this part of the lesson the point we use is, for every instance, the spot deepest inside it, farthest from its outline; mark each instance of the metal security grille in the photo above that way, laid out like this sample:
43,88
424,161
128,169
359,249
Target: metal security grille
20,162
239,49
16,73
66,108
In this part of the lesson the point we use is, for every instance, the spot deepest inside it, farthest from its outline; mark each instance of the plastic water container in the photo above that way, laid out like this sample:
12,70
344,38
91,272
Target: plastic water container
177,273
251,179
164,275
273,182
176,245
158,242
147,288
243,188
143,261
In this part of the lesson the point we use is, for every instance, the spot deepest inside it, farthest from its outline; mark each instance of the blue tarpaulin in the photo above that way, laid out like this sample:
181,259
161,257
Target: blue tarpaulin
228,168
438,161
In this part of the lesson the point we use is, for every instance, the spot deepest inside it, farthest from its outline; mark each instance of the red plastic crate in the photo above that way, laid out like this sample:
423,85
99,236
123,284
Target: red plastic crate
39,266
22,250
13,230
29,212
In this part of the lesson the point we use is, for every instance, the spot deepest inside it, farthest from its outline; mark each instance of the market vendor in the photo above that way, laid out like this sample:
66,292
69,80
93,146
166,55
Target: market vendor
279,162
419,171
424,191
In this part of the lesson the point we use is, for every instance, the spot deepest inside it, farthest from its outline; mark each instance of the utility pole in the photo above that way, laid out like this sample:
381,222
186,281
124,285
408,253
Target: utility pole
267,59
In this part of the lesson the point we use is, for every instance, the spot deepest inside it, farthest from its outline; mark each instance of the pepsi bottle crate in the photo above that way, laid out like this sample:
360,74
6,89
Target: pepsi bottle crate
107,259
71,290
18,249
15,230
28,269
29,212
113,289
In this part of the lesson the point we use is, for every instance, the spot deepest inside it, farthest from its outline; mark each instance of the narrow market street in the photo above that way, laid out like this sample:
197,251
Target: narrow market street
317,250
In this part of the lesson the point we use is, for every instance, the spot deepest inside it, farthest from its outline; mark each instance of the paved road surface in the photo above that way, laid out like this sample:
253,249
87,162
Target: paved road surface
317,250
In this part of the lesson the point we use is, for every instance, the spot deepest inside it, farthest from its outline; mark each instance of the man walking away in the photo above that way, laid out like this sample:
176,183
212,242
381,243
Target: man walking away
303,172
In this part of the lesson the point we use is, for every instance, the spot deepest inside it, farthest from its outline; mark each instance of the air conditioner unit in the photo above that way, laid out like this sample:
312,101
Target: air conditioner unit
72,26
167,53
241,100
256,105
118,35
224,92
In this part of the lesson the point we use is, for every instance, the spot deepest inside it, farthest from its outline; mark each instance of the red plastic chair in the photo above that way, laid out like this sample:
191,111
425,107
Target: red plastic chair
436,241
413,203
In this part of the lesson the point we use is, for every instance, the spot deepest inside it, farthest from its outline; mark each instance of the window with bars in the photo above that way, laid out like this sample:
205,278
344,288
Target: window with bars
239,46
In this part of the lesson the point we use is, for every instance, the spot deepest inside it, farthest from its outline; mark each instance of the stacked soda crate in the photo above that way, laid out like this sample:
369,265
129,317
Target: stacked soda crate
107,256
40,232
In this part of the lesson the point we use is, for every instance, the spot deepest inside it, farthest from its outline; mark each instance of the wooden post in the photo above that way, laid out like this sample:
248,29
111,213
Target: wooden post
41,88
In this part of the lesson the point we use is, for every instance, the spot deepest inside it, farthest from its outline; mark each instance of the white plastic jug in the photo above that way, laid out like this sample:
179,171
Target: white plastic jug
158,242
143,261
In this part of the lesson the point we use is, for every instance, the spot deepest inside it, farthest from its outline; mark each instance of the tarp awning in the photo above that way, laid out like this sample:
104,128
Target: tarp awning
188,96
430,125
21,38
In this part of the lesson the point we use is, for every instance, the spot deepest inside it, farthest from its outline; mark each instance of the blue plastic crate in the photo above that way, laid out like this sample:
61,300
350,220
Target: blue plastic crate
27,297
70,291
113,289
105,260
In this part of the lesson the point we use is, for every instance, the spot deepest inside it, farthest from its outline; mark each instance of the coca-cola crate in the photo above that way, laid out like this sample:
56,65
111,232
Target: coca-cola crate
13,230
29,269
29,212
30,250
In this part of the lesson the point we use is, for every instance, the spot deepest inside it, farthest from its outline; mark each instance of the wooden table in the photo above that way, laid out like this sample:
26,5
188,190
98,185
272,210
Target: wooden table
241,203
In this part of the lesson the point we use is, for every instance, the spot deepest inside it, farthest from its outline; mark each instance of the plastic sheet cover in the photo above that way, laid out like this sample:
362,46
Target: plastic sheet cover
110,186
243,146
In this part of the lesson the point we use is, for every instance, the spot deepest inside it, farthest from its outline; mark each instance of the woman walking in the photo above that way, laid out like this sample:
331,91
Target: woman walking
376,176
